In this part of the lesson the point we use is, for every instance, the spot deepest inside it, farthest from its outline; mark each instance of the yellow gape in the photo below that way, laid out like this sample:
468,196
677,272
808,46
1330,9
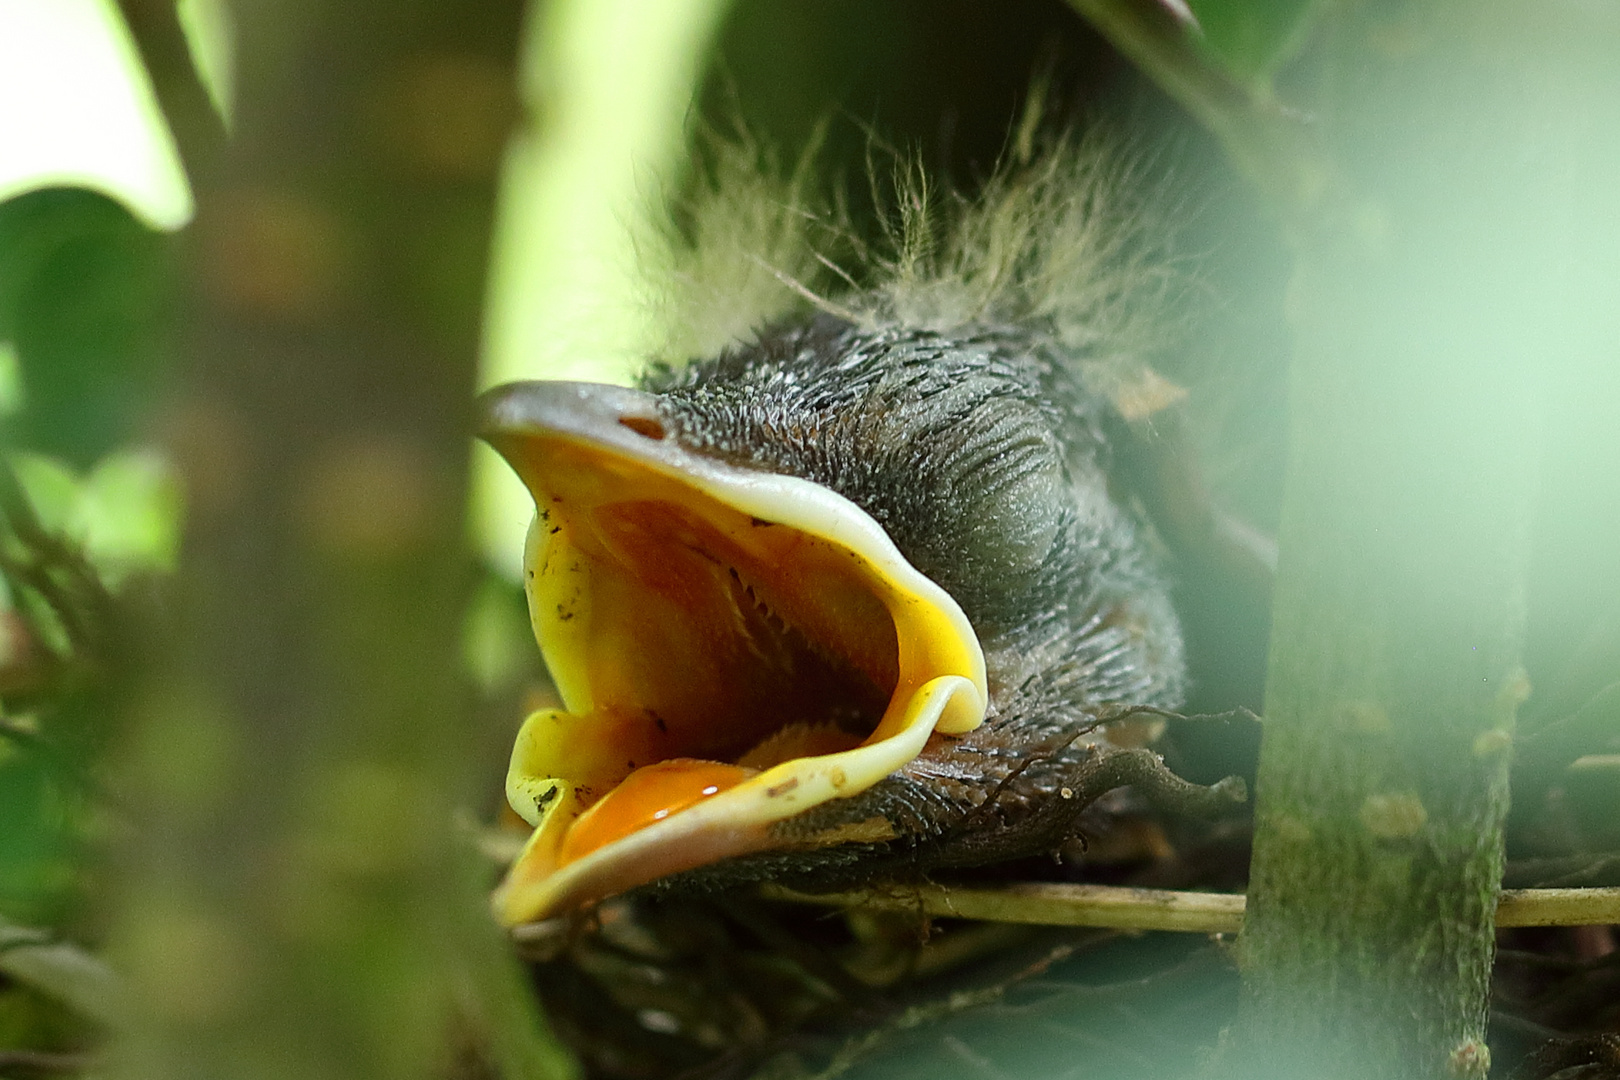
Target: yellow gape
731,647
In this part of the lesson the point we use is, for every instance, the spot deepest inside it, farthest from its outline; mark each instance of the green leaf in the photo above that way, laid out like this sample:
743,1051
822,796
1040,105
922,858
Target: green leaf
37,841
1253,38
126,514
11,384
62,970
35,1021
52,490
84,292
129,514
209,33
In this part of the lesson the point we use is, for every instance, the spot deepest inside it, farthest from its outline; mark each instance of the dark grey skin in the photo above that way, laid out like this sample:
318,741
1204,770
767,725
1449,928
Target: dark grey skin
982,456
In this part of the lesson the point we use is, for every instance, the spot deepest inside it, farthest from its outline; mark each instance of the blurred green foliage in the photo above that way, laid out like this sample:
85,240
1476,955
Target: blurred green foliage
40,840
1252,38
38,1021
79,112
85,299
123,519
124,514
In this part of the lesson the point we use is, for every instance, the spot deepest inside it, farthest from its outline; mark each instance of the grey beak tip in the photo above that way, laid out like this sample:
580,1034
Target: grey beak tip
518,408
501,410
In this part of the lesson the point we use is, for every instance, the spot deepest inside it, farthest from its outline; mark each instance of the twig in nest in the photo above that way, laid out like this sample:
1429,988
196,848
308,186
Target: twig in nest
1045,904
1051,904
1558,907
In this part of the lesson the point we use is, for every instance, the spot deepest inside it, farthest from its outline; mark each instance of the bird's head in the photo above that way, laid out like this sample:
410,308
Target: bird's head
780,591
852,588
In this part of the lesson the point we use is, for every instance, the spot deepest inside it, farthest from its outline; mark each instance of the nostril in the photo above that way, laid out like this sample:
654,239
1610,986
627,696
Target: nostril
643,425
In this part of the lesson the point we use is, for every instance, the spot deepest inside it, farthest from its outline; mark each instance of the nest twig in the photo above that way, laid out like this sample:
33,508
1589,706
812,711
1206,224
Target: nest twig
1121,908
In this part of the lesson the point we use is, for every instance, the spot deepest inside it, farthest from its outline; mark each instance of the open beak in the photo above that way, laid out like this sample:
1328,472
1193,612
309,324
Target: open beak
732,648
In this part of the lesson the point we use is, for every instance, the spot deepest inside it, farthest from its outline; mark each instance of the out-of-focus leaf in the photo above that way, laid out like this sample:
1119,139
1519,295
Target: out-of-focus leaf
1252,38
84,288
13,935
52,490
37,841
212,38
129,513
80,111
63,970
37,1021
125,515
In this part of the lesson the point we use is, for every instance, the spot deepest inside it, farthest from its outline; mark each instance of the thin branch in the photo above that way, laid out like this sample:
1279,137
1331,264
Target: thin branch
198,128
1558,907
1044,904
1267,141
1109,714
1115,907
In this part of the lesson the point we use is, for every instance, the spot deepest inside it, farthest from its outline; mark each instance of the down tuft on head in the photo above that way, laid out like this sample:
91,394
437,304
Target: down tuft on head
1069,238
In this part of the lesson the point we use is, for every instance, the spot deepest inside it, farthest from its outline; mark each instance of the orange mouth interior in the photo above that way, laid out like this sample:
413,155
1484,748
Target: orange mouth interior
732,648
694,646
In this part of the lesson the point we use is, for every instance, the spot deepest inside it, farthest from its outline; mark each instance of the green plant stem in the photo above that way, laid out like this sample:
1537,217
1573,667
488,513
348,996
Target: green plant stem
1437,284
1449,234
295,903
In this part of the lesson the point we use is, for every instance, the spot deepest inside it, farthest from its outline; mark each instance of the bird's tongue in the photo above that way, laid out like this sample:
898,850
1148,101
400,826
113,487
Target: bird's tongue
650,794
654,792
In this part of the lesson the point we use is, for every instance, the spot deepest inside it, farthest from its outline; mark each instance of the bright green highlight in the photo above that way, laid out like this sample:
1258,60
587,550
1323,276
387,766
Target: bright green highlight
1253,38
609,84
207,26
80,112
11,384
126,513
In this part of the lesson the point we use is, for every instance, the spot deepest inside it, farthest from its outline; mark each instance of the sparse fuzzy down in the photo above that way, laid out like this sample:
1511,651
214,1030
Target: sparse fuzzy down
1068,239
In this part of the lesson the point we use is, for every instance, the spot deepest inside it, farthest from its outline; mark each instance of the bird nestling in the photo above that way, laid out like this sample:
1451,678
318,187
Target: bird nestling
848,596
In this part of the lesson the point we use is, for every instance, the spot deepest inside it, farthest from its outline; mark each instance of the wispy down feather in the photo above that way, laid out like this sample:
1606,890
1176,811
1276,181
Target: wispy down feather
1068,238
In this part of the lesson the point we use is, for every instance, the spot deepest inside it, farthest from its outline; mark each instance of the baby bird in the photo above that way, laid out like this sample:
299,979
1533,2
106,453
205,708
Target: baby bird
851,598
